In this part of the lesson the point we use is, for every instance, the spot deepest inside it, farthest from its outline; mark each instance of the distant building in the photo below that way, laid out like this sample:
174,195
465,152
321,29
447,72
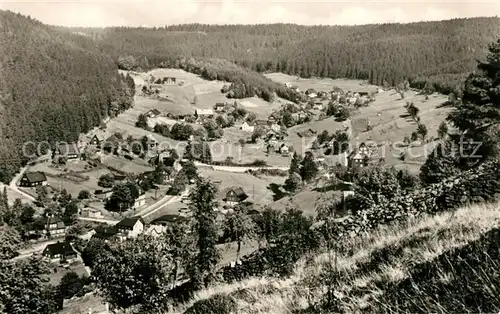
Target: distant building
169,80
68,150
219,107
91,213
140,201
203,113
130,227
272,120
95,140
152,142
288,85
246,127
153,113
359,158
103,194
60,251
235,196
54,226
262,123
31,179
105,233
284,149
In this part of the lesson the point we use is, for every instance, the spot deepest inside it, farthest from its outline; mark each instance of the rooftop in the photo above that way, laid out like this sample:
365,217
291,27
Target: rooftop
36,176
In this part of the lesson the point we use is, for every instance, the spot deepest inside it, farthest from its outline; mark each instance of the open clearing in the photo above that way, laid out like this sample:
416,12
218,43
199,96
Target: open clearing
319,84
255,187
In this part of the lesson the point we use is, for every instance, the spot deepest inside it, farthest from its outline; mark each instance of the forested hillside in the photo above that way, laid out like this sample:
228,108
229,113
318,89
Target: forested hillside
440,53
53,85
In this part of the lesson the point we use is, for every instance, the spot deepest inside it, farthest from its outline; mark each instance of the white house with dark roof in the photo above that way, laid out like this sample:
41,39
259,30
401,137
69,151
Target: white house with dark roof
130,227
203,113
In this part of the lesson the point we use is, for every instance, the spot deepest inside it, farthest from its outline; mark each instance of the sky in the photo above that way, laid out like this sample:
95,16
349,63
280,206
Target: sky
151,13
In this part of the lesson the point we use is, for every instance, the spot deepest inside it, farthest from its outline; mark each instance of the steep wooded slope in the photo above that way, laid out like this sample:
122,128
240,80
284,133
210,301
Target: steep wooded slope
440,53
53,85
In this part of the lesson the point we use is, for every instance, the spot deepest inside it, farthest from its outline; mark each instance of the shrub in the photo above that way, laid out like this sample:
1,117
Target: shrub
219,303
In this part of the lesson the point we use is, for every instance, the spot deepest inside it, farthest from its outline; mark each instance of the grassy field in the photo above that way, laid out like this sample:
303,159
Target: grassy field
307,201
391,256
386,116
72,186
257,189
320,84
137,165
55,277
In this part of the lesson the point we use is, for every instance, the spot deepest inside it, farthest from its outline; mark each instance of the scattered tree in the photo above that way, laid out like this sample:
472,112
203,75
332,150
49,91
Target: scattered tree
202,270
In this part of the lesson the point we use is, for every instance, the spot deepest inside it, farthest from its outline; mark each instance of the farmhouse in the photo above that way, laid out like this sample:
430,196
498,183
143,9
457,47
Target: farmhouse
60,251
272,119
68,150
95,140
235,196
105,233
54,226
130,227
169,80
284,149
91,213
203,113
219,107
31,179
246,127
359,158
262,123
153,113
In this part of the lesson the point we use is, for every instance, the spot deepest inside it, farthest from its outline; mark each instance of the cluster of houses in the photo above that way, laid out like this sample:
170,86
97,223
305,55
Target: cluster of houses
270,124
127,228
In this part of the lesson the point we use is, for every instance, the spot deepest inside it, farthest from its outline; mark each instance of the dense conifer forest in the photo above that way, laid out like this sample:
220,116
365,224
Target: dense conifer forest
53,85
438,54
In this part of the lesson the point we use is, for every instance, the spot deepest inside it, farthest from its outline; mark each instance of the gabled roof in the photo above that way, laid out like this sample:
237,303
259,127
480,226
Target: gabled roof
55,220
238,191
220,104
129,222
168,219
62,248
67,149
35,177
205,112
105,232
154,111
113,139
260,122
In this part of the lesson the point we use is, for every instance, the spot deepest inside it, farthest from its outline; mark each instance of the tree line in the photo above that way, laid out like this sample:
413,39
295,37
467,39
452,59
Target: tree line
55,85
435,55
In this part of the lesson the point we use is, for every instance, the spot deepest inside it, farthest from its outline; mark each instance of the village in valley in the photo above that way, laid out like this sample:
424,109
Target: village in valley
133,174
